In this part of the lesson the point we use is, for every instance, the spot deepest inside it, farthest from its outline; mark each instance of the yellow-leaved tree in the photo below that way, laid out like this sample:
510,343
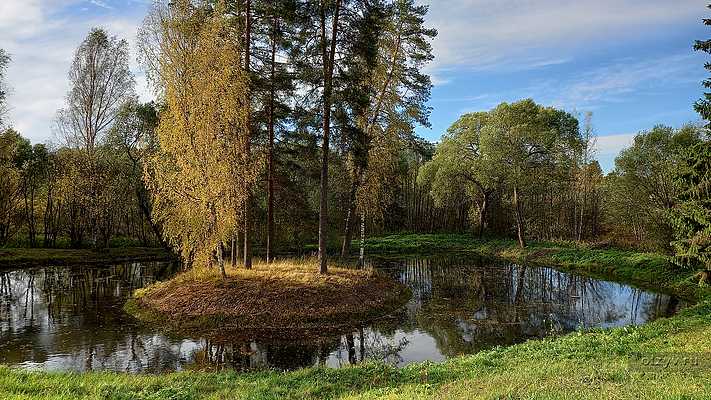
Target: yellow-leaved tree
199,175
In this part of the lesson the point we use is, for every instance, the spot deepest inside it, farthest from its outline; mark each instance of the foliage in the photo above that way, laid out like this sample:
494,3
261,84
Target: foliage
459,169
641,190
691,217
521,149
13,153
200,175
703,105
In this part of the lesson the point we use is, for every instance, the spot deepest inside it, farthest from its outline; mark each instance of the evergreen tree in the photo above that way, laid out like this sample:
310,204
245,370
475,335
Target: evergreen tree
691,217
703,105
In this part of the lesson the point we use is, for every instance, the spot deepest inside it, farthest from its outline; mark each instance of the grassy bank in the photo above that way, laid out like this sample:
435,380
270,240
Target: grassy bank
283,298
647,270
582,365
27,257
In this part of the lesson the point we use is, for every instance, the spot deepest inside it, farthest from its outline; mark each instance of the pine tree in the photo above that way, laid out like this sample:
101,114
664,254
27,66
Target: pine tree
703,105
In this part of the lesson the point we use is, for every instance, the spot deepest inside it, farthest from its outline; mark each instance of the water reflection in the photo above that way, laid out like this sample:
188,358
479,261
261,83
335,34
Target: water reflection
71,318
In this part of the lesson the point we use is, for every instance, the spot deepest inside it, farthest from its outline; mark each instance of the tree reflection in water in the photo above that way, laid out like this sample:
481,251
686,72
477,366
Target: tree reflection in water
71,318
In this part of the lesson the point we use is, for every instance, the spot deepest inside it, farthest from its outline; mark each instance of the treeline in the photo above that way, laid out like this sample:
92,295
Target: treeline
276,123
63,197
279,124
529,171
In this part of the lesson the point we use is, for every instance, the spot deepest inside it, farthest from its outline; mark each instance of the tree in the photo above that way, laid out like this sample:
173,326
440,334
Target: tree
645,172
201,175
34,175
530,144
274,27
14,150
100,83
134,135
4,61
703,105
460,169
327,43
385,95
691,216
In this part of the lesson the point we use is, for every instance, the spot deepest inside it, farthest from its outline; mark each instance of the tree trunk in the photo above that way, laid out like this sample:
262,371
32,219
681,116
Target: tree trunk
328,58
146,210
348,233
482,214
248,144
270,155
233,251
240,241
48,215
221,262
247,240
361,259
519,218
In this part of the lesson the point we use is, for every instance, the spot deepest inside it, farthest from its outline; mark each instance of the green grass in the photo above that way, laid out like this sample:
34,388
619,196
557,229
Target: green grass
26,257
581,365
647,270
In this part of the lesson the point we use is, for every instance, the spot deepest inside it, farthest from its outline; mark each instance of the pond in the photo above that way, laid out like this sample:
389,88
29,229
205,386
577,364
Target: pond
71,318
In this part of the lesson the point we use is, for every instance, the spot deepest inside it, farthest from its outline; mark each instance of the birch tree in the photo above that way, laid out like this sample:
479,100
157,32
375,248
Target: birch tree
4,61
201,175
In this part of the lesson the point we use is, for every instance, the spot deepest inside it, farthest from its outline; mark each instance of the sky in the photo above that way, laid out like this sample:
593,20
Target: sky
629,62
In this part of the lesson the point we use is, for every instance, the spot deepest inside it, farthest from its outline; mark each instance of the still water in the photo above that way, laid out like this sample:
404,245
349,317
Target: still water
71,318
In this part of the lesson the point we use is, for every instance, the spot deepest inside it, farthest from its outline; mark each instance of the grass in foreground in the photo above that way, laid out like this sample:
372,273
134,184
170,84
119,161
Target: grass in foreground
581,365
14,257
271,297
589,365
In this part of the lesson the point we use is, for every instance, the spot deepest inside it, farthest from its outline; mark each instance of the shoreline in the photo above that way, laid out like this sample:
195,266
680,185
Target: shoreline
588,364
29,257
650,271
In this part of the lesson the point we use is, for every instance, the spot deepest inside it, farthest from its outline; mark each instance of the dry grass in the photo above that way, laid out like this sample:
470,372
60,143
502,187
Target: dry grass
288,294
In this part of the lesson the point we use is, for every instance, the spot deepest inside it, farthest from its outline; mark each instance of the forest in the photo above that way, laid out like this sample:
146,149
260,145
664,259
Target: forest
305,134
274,206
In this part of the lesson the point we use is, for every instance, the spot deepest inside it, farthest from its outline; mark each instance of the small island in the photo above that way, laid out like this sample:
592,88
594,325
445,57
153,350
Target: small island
281,298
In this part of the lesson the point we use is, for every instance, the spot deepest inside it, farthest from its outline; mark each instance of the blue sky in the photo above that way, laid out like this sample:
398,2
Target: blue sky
630,62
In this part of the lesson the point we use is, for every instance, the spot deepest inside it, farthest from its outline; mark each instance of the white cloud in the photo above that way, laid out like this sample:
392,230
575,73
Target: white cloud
20,18
608,147
485,34
611,145
41,37
612,82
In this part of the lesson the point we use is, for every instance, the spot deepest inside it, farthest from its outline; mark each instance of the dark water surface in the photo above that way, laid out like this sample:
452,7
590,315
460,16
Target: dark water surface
71,318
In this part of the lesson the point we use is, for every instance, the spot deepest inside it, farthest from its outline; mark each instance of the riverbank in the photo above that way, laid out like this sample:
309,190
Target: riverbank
646,270
287,297
582,365
20,257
